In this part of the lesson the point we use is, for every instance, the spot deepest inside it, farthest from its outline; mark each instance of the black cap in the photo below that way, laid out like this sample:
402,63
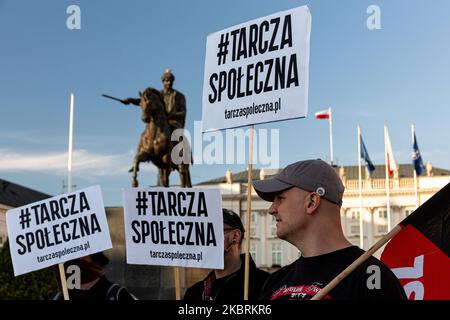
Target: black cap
232,219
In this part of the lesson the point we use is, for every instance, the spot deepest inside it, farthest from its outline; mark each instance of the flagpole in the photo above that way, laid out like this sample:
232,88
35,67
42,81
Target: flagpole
414,170
388,204
331,136
62,271
69,158
249,213
361,226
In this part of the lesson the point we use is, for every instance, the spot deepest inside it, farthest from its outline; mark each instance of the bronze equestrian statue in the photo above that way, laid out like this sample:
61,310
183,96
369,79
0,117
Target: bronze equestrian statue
163,112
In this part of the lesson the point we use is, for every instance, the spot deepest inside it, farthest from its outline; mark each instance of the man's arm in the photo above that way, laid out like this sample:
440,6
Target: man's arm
134,101
177,115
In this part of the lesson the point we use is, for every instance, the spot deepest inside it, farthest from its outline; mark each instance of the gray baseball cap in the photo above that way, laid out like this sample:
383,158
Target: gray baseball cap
309,175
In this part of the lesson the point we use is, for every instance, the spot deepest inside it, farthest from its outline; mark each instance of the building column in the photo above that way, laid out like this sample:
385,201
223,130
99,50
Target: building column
344,221
264,239
370,240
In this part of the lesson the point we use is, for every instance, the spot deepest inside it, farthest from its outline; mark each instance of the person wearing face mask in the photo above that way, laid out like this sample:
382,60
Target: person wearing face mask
93,284
228,284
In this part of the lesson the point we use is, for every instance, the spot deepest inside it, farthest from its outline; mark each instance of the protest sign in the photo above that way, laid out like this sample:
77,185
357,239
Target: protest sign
174,227
257,71
58,229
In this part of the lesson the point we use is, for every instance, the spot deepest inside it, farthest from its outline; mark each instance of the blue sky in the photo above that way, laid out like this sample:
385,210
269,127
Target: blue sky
395,76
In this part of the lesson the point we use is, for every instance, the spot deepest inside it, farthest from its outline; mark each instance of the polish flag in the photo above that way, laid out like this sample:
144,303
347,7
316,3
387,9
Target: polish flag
324,114
391,163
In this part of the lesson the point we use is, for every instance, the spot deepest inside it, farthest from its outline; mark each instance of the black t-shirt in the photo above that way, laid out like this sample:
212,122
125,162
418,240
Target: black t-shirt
218,284
303,278
231,287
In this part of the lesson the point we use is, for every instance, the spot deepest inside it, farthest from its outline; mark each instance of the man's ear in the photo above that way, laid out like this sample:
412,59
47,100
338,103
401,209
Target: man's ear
237,236
312,202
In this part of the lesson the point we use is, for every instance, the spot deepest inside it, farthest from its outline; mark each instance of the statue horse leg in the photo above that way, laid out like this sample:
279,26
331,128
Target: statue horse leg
185,176
164,177
188,178
134,170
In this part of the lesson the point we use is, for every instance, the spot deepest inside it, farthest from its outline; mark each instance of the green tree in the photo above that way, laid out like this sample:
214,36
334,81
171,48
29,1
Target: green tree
35,285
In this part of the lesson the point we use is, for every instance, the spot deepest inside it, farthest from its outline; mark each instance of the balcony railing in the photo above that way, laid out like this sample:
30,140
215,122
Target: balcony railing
403,183
376,184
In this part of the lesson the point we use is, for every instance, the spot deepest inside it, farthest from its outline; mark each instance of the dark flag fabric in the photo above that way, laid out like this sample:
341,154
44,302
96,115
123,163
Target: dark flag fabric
420,254
365,156
417,158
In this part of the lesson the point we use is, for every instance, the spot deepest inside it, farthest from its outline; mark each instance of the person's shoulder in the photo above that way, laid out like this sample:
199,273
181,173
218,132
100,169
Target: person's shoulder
194,292
124,294
373,261
262,272
198,284
281,273
257,276
118,292
379,281
55,296
179,95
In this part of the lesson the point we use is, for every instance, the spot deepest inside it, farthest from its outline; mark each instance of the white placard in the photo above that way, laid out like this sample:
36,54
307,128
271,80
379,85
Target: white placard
257,71
57,229
174,227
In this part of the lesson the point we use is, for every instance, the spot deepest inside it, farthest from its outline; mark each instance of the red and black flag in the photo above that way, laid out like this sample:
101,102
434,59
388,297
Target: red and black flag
420,254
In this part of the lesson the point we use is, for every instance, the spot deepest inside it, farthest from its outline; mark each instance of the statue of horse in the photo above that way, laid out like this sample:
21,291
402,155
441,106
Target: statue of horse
155,144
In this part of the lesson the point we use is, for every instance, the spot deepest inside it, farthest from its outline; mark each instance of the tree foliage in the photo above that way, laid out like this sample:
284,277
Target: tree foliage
36,285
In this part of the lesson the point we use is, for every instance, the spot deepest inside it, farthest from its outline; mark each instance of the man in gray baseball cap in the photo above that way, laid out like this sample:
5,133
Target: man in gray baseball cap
306,200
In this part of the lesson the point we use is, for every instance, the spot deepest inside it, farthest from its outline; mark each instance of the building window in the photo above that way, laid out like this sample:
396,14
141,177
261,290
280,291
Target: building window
381,229
254,217
273,227
354,230
355,215
276,254
408,212
253,248
382,214
273,231
252,231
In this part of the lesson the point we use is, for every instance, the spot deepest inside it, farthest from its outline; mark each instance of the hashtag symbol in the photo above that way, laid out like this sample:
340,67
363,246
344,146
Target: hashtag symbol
141,203
24,219
223,48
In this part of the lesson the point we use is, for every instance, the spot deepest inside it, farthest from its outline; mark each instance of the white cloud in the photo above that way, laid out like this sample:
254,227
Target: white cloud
83,162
